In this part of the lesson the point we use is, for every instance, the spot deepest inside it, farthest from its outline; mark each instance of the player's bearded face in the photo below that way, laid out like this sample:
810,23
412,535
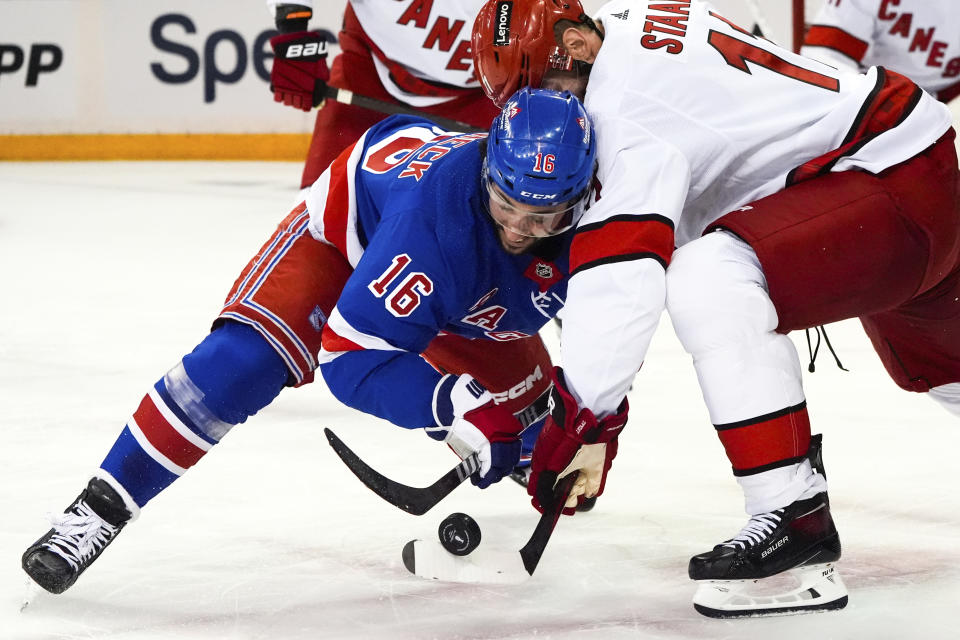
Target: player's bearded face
521,226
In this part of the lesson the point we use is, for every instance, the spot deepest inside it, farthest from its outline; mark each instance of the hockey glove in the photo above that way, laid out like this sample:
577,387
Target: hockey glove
299,75
573,441
470,422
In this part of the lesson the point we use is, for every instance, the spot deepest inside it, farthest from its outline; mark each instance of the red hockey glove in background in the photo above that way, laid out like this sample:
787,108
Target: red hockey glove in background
573,441
470,422
299,75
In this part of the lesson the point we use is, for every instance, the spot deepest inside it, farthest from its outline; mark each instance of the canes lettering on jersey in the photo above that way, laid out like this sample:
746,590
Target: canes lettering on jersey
918,38
922,37
442,32
432,39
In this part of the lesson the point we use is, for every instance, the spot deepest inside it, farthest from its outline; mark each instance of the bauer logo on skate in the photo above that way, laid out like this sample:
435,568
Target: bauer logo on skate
776,545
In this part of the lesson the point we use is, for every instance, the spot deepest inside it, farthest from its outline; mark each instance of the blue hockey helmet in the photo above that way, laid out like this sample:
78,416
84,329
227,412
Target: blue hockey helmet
540,155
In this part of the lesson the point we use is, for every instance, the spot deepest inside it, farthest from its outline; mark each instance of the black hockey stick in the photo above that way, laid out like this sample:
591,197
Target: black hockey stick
428,559
415,500
344,96
533,550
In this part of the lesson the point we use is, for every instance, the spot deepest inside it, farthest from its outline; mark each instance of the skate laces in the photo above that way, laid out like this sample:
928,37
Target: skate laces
756,529
79,534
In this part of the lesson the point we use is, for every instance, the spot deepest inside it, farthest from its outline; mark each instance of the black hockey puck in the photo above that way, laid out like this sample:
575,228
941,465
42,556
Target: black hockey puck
459,534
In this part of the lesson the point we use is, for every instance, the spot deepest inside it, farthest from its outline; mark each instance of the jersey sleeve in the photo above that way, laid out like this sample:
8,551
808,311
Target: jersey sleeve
842,32
618,258
392,306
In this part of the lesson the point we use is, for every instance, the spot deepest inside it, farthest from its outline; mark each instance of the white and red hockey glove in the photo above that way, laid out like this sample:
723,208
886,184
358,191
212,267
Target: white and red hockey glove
573,441
470,422
300,74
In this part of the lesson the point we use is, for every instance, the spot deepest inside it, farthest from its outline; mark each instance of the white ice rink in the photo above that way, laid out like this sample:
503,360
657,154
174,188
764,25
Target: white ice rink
112,271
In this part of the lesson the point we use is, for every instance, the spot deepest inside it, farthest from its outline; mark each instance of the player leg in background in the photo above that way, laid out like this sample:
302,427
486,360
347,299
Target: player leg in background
883,248
264,340
751,381
339,125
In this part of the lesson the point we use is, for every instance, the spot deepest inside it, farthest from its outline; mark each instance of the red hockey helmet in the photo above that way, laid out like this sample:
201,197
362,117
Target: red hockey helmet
513,44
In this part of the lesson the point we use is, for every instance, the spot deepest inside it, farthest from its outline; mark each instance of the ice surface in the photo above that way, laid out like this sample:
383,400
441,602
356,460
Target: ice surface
111,271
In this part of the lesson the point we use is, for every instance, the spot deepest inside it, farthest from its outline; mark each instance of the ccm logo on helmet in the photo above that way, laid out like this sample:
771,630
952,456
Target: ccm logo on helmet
540,196
501,30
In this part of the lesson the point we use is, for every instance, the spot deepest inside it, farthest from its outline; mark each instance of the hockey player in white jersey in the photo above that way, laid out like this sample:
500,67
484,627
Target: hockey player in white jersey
414,53
783,194
918,38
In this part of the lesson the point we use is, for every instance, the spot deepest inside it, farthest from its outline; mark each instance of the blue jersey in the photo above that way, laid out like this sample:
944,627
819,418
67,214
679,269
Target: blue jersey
406,207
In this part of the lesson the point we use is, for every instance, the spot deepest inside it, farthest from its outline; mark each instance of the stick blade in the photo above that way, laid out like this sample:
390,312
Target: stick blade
399,495
413,500
429,560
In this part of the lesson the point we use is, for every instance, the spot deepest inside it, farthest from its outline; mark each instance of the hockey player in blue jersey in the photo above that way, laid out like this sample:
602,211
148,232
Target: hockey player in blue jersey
415,276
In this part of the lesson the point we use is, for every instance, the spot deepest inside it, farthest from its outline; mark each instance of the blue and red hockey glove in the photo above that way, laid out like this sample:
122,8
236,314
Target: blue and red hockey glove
471,422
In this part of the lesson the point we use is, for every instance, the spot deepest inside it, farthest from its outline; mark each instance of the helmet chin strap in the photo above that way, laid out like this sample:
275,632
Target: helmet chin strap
587,20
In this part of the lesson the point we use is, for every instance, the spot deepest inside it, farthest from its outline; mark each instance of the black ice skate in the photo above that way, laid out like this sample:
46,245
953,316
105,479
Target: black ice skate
799,541
521,475
77,538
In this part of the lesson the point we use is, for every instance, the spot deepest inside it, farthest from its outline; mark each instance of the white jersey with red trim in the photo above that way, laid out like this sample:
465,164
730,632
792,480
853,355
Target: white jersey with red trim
918,38
696,117
429,38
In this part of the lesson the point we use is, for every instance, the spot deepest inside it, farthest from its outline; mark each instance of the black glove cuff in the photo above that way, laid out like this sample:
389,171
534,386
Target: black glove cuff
292,17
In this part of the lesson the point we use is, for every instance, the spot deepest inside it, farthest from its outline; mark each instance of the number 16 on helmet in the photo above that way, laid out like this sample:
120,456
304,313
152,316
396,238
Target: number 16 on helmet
540,162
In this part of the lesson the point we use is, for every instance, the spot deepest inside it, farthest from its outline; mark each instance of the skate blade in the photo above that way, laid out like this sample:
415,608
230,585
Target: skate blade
818,588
